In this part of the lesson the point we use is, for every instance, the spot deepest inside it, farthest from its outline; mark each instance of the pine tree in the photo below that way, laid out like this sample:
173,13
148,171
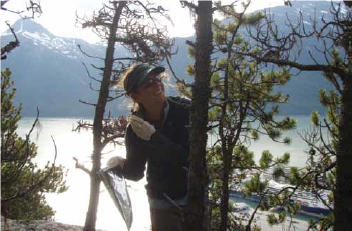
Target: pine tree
241,95
23,184
332,158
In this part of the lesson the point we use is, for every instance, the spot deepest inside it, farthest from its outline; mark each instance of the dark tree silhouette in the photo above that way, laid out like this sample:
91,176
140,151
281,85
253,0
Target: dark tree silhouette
134,26
197,179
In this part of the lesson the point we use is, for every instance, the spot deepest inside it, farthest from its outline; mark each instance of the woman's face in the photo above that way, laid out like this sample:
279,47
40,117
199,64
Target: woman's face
151,91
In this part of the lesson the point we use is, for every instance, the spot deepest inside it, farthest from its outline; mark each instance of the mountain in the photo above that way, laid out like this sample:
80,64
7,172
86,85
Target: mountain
304,86
48,70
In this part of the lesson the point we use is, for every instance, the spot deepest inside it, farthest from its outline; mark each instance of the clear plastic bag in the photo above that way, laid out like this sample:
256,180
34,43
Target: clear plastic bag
116,185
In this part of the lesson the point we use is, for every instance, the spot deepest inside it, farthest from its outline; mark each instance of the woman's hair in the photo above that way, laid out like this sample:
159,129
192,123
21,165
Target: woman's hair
124,79
123,83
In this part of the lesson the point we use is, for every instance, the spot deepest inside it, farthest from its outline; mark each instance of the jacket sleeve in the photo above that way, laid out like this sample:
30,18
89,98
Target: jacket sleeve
135,162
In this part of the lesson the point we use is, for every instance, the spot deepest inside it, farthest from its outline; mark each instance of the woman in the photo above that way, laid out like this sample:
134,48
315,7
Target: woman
158,136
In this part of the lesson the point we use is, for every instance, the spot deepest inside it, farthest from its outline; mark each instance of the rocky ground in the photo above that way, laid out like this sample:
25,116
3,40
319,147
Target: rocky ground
40,225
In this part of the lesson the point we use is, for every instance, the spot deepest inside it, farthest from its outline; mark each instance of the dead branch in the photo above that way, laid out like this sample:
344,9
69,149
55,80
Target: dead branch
91,104
11,45
90,56
81,166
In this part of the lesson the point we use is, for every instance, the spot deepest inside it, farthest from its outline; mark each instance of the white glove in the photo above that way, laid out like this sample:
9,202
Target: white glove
115,161
142,128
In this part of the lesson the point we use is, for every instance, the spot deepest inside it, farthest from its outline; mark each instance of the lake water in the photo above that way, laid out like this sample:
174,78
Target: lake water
71,206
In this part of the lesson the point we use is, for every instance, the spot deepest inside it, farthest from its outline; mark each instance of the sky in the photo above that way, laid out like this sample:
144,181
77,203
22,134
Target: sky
59,16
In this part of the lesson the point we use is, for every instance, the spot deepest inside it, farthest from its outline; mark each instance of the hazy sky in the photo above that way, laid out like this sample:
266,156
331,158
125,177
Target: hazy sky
59,15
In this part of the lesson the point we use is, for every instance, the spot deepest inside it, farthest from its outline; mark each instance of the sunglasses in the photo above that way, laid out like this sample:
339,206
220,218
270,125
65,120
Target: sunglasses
151,81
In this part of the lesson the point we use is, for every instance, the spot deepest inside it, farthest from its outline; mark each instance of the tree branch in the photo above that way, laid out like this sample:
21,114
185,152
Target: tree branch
81,166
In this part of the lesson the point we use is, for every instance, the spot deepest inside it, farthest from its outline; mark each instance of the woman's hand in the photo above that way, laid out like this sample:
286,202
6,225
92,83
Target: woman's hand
142,128
115,161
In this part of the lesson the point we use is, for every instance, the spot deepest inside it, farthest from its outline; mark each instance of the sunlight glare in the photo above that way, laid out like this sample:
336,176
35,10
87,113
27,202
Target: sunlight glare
53,20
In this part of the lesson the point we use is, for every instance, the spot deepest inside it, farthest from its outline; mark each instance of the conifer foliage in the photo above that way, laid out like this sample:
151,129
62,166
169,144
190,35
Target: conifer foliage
242,106
330,157
23,183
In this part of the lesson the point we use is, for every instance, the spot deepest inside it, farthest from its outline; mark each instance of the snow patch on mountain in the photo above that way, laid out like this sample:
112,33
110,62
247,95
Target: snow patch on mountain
65,46
43,38
28,30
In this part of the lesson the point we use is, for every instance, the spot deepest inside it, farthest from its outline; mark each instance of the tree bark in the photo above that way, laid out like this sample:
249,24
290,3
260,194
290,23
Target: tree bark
343,194
91,216
197,180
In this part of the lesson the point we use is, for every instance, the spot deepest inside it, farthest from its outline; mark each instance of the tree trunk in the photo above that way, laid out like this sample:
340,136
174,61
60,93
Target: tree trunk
343,193
197,180
91,216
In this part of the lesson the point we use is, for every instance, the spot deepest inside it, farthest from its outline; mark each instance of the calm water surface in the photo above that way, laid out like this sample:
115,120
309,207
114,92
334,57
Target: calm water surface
71,206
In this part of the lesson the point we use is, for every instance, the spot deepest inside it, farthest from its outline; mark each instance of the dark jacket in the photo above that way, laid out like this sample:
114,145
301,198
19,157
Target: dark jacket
166,154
